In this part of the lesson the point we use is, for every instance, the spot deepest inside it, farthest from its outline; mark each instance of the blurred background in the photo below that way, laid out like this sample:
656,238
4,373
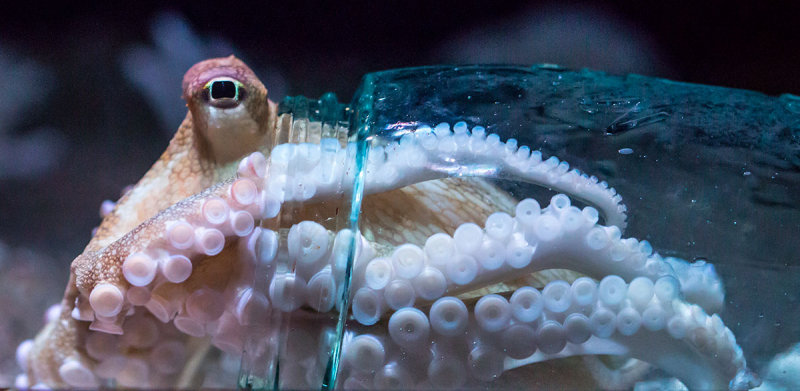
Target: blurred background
91,93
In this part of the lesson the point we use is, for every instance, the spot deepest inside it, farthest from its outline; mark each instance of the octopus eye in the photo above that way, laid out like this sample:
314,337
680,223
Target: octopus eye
224,92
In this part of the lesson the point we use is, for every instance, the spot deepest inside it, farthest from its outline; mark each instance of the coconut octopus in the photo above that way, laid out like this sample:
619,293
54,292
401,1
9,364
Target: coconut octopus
448,280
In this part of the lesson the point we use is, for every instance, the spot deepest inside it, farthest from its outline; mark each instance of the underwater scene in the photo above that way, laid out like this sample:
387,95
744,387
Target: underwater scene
431,233
428,227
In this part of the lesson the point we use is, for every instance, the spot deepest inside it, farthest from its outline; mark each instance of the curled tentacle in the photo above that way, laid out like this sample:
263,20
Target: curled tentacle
186,272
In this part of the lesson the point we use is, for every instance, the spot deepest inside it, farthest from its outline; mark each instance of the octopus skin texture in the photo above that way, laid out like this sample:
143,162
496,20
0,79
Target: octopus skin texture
453,280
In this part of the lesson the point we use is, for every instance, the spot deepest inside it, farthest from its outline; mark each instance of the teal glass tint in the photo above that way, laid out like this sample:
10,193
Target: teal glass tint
451,278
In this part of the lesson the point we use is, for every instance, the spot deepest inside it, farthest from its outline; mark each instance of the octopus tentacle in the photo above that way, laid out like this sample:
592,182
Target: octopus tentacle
502,334
624,376
307,172
432,153
182,266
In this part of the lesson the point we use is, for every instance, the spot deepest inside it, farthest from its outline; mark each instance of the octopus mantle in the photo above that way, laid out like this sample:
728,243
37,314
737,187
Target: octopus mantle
445,302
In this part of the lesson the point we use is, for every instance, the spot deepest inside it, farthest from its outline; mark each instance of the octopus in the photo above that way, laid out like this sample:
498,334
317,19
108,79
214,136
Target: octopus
241,238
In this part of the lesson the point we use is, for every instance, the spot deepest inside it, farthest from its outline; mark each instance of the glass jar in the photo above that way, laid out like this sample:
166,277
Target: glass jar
709,174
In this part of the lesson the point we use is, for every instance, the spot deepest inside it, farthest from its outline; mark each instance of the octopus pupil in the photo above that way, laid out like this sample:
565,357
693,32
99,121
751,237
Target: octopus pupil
223,89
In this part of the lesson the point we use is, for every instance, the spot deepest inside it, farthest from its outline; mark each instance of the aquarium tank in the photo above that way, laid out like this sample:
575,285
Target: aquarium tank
448,227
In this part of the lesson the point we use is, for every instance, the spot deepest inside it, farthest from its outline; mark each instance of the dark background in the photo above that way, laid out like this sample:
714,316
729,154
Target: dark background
91,92
751,45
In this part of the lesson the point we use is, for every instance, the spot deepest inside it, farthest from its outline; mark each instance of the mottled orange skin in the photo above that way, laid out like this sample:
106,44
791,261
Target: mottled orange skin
188,166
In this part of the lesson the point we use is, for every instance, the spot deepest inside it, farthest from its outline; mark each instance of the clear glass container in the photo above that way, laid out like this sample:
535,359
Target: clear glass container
708,174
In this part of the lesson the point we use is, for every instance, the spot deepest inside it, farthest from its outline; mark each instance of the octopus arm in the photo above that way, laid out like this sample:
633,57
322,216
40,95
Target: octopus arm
188,269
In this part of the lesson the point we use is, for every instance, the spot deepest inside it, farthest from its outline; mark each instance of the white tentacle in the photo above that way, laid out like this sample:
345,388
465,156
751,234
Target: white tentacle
406,298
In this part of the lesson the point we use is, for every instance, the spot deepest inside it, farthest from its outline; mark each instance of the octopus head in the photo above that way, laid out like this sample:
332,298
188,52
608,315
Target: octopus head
230,110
